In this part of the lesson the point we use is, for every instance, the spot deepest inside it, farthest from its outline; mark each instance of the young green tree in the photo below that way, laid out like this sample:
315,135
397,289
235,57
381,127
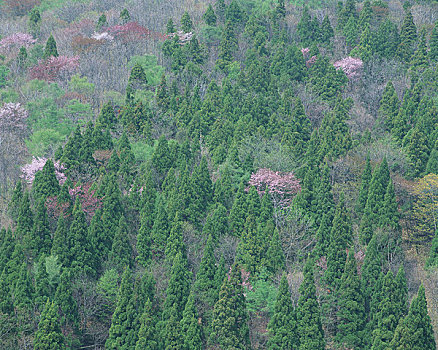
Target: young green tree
49,335
420,59
229,328
415,330
186,23
101,22
120,255
106,118
283,324
364,187
65,302
351,306
433,43
389,105
50,49
408,38
45,183
310,332
209,16
146,334
190,327
326,32
125,16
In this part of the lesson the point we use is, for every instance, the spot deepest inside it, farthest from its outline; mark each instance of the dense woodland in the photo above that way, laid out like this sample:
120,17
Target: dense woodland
244,174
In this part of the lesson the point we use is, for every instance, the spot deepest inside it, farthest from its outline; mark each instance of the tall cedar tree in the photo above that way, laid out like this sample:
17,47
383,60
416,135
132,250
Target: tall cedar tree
42,287
146,334
190,326
351,306
186,23
283,324
25,218
65,302
50,49
326,32
173,336
408,38
433,43
6,304
310,332
49,335
160,229
39,240
389,105
371,269
121,253
415,331
123,330
229,328
106,118
274,261
237,216
175,243
364,187
45,183
389,215
23,290
209,16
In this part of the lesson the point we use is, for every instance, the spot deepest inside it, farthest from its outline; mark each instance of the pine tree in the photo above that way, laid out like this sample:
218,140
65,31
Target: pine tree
420,59
160,229
326,32
433,43
146,334
120,255
274,260
415,331
351,306
25,218
238,212
23,289
123,331
190,326
50,49
209,16
389,215
282,326
65,302
408,38
49,335
160,158
364,187
186,23
45,183
389,105
310,332
229,328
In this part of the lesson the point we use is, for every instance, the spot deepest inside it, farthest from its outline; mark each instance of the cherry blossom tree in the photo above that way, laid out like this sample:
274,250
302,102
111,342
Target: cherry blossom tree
17,40
132,31
29,170
352,67
54,67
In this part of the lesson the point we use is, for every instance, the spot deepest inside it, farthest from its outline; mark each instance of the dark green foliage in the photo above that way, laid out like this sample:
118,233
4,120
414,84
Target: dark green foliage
350,32
227,46
433,254
34,21
106,118
161,158
175,243
137,78
190,326
101,22
65,302
326,31
6,305
146,221
274,260
389,215
420,59
38,240
42,287
25,218
387,39
45,183
173,336
433,43
216,223
234,13
209,16
365,15
70,155
123,331
15,202
415,330
432,163
307,29
415,145
23,289
371,269
125,16
408,38
229,328
186,23
238,212
364,187
283,325
310,332
389,105
351,306
160,229
146,334
170,27
49,335
120,255
50,49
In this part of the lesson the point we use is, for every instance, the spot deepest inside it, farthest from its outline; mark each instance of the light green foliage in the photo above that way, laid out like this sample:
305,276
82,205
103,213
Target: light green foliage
262,296
150,66
49,335
81,85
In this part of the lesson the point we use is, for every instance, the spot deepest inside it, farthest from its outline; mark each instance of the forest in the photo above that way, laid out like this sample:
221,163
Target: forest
218,174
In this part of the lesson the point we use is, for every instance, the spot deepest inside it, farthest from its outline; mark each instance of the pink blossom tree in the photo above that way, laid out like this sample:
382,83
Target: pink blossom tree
282,186
352,67
17,40
54,67
37,164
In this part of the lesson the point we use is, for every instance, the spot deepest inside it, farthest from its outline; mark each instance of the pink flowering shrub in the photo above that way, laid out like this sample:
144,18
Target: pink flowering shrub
281,185
133,31
52,68
13,117
305,51
29,170
311,61
89,202
17,40
352,67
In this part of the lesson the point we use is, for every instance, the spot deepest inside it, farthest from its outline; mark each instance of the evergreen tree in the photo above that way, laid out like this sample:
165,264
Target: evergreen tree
42,286
365,15
351,306
350,32
364,187
49,335
25,218
209,16
220,9
161,156
326,32
420,59
310,332
227,46
6,304
15,201
149,195
306,29
35,21
371,270
160,229
50,49
229,328
190,326
283,325
170,27
70,155
389,215
216,223
120,255
433,43
274,260
146,334
39,240
387,39
45,183
101,22
23,289
432,163
106,118
65,302
408,38
125,16
415,145
433,254
415,330
173,336
186,23
324,197
175,243
238,212
389,105
123,330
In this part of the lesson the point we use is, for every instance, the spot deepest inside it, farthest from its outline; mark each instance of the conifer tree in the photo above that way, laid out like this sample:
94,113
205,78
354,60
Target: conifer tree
326,32
45,183
149,195
161,156
49,335
65,301
415,330
364,187
433,43
420,59
125,16
365,15
305,29
190,326
123,330
216,223
408,38
350,32
415,145
120,255
186,23
237,216
146,334
389,215
274,260
433,254
220,9
283,324
324,196
25,218
371,270
101,22
160,229
35,21
432,163
175,243
229,328
38,240
23,289
6,304
351,306
323,235
106,118
15,202
389,105
50,49
209,16
227,46
70,154
170,27
42,287
173,336
310,332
